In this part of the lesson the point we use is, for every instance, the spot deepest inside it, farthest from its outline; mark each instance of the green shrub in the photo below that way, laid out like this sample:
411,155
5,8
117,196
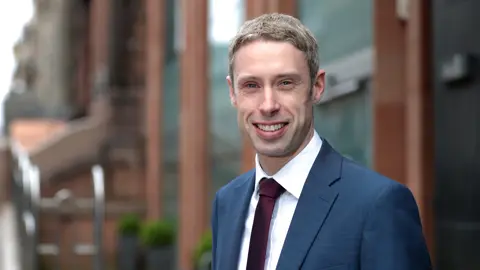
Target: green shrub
203,246
129,225
158,234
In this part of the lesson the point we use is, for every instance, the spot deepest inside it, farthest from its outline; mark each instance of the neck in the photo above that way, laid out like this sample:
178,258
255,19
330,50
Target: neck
271,165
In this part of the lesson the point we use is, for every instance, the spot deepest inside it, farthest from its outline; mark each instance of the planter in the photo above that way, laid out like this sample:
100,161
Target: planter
160,258
205,262
127,252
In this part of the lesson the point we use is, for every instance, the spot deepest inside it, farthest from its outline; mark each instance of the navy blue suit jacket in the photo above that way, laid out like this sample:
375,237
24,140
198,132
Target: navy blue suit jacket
347,217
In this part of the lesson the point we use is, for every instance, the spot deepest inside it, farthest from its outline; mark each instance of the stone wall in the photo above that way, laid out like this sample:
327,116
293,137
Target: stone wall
55,57
5,175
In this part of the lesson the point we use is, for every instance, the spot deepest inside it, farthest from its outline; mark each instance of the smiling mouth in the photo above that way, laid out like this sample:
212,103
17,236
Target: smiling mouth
270,128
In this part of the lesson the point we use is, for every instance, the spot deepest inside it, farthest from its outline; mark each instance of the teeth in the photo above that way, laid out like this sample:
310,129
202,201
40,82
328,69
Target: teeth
271,127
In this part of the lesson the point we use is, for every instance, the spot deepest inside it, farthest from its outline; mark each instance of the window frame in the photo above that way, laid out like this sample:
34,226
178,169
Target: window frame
344,76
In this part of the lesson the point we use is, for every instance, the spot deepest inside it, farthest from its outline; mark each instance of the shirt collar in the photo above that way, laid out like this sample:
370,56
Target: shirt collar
294,174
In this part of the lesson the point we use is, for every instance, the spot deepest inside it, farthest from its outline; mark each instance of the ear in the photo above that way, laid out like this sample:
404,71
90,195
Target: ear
231,90
318,86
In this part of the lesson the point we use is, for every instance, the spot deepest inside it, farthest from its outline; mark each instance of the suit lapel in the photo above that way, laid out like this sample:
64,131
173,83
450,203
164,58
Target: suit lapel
313,207
235,216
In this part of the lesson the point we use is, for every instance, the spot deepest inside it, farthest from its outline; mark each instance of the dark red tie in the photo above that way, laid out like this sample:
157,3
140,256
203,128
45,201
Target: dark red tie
270,190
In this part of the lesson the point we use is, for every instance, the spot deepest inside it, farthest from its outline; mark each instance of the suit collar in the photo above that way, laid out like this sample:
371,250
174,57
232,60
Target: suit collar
313,207
236,214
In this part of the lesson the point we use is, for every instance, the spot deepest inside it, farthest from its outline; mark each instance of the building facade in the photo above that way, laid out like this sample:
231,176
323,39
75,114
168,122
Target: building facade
139,86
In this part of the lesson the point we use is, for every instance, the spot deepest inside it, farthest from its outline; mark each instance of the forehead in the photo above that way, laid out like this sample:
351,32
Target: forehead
269,58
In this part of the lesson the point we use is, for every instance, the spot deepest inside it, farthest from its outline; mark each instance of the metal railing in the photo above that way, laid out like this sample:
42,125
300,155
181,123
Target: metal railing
29,201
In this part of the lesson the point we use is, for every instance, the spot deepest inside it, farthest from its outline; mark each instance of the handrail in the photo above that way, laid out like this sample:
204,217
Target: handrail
99,214
26,183
10,247
29,183
34,174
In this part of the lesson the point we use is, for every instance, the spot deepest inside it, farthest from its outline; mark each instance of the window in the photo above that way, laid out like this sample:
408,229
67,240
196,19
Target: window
342,27
344,30
225,17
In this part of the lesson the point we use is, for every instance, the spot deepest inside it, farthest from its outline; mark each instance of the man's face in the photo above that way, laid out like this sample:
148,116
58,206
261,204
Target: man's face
274,96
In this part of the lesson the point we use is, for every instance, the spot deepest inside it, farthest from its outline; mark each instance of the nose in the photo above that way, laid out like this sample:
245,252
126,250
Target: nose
270,105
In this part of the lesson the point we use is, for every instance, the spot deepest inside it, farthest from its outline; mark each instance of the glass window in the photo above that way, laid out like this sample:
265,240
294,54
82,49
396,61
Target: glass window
344,29
346,123
225,18
341,27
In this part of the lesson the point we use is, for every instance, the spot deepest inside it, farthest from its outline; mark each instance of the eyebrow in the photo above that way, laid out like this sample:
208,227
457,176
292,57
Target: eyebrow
291,74
247,78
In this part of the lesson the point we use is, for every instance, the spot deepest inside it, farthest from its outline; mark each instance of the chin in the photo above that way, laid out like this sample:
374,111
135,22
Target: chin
267,151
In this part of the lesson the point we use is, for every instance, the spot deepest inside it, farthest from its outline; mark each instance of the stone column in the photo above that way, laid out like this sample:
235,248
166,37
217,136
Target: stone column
155,55
194,175
54,58
254,9
5,171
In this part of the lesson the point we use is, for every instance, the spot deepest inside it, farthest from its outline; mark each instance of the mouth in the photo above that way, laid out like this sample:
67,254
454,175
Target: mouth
270,127
270,131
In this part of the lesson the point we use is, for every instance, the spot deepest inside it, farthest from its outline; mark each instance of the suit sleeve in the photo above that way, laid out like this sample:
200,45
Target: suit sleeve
214,232
393,237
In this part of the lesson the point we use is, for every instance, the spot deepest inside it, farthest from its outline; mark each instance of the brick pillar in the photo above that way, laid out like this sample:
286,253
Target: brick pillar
155,55
254,9
419,114
389,91
194,185
403,102
83,58
99,30
282,6
98,42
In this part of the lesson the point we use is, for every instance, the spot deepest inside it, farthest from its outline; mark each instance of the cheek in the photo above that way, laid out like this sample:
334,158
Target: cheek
245,115
306,115
302,115
296,109
245,108
306,112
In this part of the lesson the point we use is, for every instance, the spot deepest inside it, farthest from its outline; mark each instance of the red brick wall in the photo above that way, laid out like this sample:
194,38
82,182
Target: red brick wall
127,186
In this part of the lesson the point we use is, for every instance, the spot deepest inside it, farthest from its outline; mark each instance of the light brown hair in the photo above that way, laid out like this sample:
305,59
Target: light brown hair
281,28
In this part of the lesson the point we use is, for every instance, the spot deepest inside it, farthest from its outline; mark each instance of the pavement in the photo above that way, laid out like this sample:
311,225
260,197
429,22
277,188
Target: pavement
9,244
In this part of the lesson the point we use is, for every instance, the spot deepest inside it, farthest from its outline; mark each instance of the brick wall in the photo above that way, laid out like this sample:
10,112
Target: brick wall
77,227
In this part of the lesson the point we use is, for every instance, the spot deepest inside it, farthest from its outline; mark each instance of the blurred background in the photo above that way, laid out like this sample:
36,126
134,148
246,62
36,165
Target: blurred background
117,126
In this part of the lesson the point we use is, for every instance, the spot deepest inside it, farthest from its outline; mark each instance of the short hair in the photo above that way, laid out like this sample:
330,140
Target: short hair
277,27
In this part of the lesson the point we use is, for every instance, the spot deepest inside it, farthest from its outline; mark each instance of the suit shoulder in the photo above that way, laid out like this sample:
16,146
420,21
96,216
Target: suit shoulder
363,178
362,189
239,180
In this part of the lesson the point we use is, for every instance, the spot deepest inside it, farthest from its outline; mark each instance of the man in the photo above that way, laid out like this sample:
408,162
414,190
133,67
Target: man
304,206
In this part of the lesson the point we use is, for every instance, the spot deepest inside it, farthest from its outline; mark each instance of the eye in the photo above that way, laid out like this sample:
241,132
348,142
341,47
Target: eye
286,84
251,85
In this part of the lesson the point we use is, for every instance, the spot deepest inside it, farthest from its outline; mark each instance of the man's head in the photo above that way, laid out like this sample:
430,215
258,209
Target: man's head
274,81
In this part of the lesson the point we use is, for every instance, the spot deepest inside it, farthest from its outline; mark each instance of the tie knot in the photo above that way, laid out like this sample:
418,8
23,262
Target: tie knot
270,188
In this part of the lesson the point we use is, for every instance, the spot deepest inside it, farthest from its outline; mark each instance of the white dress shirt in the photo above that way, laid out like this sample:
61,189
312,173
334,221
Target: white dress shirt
292,177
